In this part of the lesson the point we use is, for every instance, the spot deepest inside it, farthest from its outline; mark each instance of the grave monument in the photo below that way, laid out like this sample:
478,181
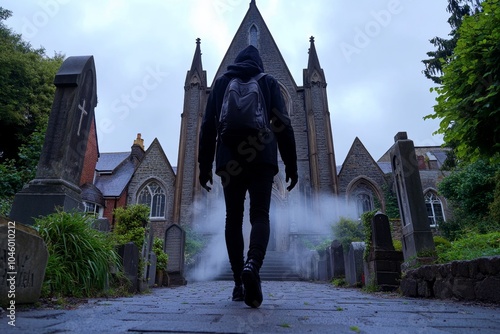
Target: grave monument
59,170
417,236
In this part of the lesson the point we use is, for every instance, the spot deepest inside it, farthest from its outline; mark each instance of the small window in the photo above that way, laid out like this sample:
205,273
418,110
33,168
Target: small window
93,209
152,195
434,207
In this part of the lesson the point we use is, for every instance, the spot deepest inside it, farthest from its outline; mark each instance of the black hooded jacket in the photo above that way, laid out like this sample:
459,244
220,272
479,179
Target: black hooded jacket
247,64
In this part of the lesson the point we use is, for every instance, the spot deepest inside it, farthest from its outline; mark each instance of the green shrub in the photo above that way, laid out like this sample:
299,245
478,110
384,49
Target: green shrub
470,247
366,219
194,245
131,224
398,245
161,256
79,256
347,231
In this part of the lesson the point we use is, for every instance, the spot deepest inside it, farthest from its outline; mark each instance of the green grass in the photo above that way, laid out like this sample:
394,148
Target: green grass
79,256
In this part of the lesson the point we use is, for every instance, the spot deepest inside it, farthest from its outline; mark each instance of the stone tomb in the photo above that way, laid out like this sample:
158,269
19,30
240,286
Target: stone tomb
354,264
174,244
61,163
417,236
336,259
383,266
129,254
23,259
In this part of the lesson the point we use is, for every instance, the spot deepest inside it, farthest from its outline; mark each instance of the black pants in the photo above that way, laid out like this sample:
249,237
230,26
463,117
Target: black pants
258,181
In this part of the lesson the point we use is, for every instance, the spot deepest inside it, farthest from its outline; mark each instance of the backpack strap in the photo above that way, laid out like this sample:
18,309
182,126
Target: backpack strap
259,76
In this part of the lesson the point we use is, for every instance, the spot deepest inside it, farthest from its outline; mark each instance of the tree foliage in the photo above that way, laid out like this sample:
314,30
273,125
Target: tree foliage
444,47
471,192
468,102
26,95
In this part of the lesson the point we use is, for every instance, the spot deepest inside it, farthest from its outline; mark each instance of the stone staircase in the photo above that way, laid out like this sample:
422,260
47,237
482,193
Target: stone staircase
278,266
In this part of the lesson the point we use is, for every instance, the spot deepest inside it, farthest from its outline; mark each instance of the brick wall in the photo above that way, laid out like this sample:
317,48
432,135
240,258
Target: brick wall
91,156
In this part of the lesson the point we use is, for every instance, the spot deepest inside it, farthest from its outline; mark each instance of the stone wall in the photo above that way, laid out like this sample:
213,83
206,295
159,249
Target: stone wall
475,280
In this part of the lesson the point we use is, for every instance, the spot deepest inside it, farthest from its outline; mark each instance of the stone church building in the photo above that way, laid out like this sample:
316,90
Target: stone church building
325,190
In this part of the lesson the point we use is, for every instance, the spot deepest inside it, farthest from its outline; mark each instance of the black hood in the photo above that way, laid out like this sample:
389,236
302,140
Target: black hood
247,64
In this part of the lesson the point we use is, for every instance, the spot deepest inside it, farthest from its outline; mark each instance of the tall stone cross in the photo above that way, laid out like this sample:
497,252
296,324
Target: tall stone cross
60,167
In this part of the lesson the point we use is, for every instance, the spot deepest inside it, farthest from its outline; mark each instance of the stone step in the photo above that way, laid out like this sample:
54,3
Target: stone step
278,266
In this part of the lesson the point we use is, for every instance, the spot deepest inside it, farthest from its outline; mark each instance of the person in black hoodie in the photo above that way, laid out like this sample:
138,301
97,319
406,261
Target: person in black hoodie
250,168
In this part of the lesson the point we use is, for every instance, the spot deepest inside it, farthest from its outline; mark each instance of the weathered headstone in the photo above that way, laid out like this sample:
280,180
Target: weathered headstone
337,259
174,244
354,265
417,236
383,266
129,254
57,180
151,272
23,259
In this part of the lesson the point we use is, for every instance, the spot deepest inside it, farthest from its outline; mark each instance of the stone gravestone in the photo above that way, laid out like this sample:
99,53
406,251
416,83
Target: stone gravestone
337,259
417,236
23,259
383,267
129,254
354,265
59,170
174,244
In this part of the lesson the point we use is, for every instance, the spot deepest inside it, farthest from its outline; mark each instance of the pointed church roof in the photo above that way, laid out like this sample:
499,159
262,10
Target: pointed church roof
314,72
358,154
254,31
196,75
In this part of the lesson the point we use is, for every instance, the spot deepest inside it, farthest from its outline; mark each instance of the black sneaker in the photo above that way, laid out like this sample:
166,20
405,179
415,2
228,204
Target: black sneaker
251,281
238,293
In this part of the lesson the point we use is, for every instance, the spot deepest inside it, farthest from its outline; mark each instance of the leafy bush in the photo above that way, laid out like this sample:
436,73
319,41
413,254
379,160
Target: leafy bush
398,245
131,224
347,231
471,192
471,247
161,256
79,256
194,244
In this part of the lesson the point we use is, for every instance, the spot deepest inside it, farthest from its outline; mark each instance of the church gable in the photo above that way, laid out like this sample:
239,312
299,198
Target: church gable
358,163
154,173
253,30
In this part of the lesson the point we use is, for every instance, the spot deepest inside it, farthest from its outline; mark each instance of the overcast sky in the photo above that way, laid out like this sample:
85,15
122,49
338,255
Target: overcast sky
370,50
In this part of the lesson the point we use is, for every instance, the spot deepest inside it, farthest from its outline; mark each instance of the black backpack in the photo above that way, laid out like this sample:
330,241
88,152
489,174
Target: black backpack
243,113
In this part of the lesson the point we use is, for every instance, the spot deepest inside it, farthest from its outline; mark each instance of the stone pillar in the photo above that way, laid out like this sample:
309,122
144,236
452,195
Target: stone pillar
62,159
417,236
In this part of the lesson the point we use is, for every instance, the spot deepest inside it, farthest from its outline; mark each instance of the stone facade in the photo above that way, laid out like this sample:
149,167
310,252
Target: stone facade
360,180
155,167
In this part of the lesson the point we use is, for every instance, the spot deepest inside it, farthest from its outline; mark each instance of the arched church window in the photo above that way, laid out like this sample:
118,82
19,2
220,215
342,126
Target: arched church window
153,195
434,207
364,203
253,36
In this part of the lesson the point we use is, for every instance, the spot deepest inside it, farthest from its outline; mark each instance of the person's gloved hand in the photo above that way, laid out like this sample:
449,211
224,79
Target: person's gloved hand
293,177
204,178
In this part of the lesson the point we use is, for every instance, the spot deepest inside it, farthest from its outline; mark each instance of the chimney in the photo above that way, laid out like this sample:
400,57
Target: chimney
137,152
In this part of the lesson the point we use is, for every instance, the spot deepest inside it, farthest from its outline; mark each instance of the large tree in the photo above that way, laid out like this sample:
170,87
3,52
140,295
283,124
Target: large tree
26,89
458,9
26,95
468,102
